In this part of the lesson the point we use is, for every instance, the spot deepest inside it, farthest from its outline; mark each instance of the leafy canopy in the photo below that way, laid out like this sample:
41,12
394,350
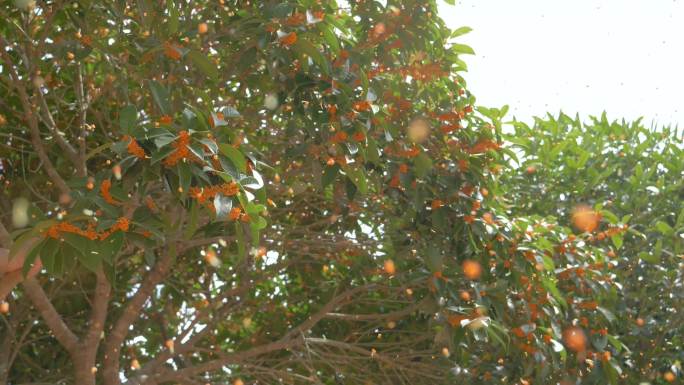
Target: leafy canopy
295,192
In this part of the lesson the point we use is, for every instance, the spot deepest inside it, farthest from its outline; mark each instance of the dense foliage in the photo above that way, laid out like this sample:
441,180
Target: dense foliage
631,175
306,192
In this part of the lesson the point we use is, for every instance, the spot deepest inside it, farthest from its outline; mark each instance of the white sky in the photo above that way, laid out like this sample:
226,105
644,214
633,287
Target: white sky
586,56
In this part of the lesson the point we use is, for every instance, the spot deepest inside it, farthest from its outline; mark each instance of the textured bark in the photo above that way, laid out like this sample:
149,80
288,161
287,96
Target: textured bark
83,368
131,312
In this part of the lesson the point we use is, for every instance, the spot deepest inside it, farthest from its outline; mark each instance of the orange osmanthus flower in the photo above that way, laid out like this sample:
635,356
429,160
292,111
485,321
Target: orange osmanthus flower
181,152
55,231
289,39
105,186
483,146
296,19
205,194
133,147
235,213
172,52
165,119
339,137
362,106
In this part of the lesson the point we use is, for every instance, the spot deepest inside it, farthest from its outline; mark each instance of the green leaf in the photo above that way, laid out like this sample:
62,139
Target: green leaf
278,10
462,48
612,371
204,64
259,223
680,218
496,337
372,151
235,156
184,178
240,238
616,343
109,248
81,248
31,258
330,38
173,17
128,116
358,177
612,218
423,165
161,97
657,252
28,235
434,259
664,228
652,258
460,31
551,287
76,241
305,47
329,174
617,240
47,255
194,218
607,313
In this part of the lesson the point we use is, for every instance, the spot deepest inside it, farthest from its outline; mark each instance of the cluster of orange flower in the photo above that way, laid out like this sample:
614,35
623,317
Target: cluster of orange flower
165,120
339,137
289,39
483,146
55,231
450,120
362,106
105,186
171,51
398,105
608,233
341,59
205,194
424,72
181,152
295,19
410,152
133,147
377,71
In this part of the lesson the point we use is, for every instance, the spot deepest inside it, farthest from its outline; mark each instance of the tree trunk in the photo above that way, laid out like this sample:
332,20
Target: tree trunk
84,364
5,351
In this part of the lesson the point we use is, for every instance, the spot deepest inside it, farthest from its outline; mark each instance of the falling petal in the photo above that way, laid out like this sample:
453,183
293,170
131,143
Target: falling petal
20,217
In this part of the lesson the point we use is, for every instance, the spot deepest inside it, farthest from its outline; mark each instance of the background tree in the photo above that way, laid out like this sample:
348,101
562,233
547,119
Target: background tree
631,175
265,192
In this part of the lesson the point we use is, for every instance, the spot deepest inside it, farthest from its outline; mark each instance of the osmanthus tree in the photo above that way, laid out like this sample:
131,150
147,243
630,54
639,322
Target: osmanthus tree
631,175
272,192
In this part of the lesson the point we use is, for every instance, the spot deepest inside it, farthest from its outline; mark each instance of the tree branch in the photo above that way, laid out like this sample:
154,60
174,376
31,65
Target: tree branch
49,121
373,317
33,122
83,110
5,237
131,312
53,320
289,340
98,314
